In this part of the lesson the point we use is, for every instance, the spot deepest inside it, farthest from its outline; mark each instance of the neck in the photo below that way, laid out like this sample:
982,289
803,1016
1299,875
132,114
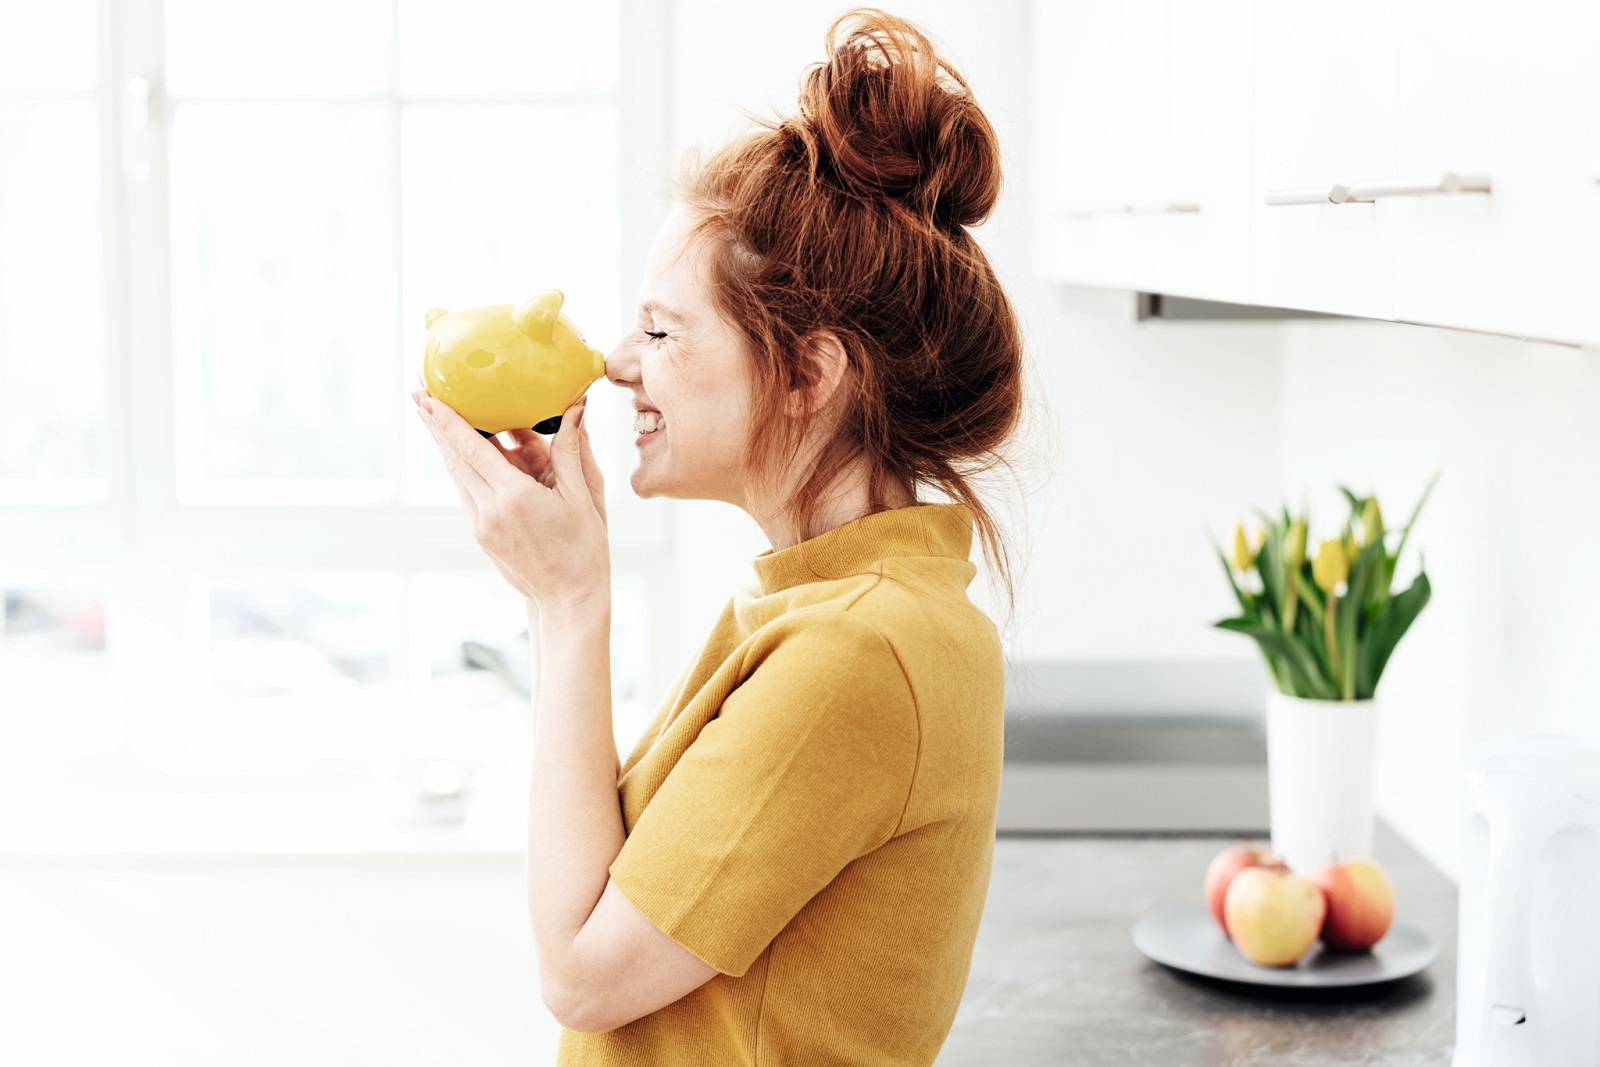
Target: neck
846,502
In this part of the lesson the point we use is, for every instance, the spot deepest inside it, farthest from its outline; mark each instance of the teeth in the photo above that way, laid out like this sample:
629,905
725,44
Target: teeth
647,422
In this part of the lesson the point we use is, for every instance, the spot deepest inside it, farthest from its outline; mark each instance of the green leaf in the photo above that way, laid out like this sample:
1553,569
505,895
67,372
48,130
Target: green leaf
1386,631
1348,616
1405,531
1247,606
1269,564
1302,669
1356,502
1308,628
1309,591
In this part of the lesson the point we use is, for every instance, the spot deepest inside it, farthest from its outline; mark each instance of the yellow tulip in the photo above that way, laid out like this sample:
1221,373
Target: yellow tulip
1331,566
1244,556
1371,522
1294,543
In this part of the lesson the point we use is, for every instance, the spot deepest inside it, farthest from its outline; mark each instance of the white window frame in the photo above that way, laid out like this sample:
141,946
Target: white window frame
143,542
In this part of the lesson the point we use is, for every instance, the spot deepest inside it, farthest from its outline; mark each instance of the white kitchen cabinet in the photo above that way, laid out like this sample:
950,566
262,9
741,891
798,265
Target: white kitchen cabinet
1326,112
1429,161
1511,93
1142,142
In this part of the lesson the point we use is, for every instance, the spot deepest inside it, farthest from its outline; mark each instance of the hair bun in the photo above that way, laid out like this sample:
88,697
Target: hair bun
885,123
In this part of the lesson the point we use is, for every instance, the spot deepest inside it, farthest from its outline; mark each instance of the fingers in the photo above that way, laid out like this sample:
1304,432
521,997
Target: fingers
591,470
529,454
462,447
565,450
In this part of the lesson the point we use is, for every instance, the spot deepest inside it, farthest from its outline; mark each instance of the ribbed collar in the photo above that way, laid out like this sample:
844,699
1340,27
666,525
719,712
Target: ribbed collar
919,530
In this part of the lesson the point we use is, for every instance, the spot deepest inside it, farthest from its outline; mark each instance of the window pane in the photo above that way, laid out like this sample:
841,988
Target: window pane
56,692
470,658
474,680
52,327
450,47
282,671
287,47
632,700
283,292
47,46
489,218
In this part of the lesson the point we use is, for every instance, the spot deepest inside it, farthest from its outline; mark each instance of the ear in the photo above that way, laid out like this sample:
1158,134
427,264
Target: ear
537,315
827,362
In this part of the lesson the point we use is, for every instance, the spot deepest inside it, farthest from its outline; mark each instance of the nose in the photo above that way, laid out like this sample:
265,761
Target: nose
622,365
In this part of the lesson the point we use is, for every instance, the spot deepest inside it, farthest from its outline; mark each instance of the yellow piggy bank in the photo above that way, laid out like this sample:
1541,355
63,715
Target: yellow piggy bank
509,365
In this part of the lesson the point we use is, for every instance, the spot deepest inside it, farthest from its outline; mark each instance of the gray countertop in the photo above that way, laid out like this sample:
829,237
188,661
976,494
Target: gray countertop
1056,979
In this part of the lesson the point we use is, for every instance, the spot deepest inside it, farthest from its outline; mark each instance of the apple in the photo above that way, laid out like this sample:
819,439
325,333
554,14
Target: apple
1273,915
1360,903
1224,866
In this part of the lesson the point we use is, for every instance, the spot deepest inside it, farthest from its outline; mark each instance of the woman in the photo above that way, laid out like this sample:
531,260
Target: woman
791,864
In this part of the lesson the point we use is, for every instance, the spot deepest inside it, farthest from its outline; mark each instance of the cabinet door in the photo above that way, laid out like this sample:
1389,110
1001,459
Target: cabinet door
1142,134
1512,93
1325,115
1099,88
1206,253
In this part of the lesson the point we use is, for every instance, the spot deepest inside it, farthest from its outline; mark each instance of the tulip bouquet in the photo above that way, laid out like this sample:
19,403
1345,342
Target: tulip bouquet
1326,623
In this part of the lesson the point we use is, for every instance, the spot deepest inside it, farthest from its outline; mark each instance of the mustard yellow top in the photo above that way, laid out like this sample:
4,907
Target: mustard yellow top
812,811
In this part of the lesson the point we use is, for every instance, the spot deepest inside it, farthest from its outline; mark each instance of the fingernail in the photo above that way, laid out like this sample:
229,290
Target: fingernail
427,405
577,420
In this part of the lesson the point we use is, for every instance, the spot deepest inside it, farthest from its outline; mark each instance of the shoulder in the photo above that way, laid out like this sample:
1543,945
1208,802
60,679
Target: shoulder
825,639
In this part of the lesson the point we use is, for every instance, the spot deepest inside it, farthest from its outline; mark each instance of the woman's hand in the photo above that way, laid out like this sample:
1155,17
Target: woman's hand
537,508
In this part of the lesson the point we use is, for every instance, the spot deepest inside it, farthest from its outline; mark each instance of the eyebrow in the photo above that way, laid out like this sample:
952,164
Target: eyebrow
653,307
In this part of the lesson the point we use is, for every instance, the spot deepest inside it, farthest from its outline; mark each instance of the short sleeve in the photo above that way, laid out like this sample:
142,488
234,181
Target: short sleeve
806,766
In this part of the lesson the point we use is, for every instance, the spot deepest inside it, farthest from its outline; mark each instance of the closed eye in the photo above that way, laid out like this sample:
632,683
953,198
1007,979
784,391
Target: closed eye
654,336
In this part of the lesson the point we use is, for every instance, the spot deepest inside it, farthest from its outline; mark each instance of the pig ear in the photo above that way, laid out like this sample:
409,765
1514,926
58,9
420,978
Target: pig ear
536,317
434,315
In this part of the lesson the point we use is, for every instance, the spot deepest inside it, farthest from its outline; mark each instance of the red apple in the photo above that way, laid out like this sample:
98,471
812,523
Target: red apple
1360,903
1224,866
1273,915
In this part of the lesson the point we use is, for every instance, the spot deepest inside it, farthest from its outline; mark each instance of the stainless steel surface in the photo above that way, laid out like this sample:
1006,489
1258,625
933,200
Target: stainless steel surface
1057,981
1140,687
1126,773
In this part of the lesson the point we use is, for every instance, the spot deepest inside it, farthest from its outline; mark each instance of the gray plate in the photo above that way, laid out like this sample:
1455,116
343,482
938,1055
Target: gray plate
1185,936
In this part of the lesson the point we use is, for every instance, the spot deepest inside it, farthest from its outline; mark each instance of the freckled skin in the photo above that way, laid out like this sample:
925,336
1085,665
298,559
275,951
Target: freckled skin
697,376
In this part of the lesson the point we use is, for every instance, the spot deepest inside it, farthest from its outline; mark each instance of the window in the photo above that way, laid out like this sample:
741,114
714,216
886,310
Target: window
226,544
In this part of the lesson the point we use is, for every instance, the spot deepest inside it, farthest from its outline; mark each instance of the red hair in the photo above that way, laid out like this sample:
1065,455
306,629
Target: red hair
851,218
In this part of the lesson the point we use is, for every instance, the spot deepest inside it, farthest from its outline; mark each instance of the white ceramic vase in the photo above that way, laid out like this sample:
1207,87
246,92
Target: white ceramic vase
1320,760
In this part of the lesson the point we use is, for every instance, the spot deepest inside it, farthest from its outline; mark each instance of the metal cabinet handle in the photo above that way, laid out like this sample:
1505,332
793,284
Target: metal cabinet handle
1367,192
1157,207
1425,186
1315,194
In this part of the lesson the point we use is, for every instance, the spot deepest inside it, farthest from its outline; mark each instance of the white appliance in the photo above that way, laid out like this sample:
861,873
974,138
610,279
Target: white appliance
1528,977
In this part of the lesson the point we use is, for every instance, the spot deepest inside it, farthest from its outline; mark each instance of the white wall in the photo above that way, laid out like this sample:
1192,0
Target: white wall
1508,641
1137,438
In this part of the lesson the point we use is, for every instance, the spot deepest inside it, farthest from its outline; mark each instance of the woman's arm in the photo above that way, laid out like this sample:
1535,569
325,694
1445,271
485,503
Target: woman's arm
601,962
538,512
574,816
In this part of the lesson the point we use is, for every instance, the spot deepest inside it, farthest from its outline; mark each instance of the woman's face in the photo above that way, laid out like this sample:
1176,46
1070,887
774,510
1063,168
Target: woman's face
682,361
